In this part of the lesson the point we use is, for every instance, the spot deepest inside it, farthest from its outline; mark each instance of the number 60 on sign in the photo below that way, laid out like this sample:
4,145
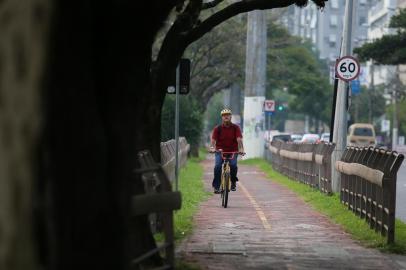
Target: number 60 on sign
347,68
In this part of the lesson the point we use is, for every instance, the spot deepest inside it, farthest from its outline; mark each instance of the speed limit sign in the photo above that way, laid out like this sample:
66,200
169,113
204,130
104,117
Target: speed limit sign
347,68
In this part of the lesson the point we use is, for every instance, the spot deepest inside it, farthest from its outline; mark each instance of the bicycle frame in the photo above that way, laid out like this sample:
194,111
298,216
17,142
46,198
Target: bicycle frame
225,185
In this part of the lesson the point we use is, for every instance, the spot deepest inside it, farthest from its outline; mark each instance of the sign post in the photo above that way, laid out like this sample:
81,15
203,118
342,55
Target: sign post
179,85
177,129
355,87
269,108
345,70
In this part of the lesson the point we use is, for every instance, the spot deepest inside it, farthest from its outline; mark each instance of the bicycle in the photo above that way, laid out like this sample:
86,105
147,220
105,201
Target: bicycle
225,184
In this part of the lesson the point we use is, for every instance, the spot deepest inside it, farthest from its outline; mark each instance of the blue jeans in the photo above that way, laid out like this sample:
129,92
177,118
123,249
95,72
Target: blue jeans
217,170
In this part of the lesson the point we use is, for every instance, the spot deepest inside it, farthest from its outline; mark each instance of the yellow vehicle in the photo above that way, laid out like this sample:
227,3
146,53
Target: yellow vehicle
361,134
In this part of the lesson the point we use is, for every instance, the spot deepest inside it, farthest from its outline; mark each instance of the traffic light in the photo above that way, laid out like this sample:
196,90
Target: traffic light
280,108
184,78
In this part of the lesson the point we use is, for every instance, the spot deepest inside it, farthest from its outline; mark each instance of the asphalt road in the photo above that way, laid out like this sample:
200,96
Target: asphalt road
401,193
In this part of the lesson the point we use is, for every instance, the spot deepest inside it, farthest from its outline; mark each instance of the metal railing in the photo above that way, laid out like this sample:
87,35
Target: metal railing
168,156
159,200
306,163
368,186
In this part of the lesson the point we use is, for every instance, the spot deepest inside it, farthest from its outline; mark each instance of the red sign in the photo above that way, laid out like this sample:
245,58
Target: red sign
269,105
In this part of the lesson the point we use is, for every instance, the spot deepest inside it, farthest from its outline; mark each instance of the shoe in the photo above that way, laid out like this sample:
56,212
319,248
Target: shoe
233,186
217,191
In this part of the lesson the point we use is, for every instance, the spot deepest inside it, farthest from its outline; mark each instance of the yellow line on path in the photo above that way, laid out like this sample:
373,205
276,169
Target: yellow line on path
258,209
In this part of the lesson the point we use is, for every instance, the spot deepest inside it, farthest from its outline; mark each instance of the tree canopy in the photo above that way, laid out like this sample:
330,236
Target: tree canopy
98,93
293,67
389,49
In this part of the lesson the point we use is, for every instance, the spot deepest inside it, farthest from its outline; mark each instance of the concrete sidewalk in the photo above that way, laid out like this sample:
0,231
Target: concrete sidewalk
266,226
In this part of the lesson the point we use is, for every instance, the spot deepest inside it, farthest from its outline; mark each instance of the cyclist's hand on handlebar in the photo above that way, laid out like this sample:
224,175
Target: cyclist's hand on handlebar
212,150
242,153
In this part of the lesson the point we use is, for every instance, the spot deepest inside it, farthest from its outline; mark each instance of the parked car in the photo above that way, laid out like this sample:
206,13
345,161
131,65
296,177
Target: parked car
296,137
361,134
310,138
325,137
285,137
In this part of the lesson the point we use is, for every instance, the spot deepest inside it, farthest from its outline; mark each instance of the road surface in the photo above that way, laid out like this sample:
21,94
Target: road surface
401,193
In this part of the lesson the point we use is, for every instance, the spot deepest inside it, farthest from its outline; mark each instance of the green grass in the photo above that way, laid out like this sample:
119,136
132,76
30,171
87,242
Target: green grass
337,212
193,193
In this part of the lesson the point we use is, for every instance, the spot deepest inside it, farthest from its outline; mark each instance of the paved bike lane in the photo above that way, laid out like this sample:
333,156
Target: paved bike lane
266,226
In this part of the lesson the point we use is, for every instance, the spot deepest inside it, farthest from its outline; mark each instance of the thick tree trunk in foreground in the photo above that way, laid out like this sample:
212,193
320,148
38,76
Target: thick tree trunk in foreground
23,28
100,113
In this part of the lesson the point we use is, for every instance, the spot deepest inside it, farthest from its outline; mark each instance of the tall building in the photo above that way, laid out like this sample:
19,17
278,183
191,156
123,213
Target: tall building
324,28
402,68
378,25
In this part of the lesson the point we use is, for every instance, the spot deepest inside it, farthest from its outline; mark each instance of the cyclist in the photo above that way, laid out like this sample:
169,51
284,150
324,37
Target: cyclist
227,137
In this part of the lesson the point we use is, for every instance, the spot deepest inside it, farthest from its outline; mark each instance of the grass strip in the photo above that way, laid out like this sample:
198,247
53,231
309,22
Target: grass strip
337,212
193,193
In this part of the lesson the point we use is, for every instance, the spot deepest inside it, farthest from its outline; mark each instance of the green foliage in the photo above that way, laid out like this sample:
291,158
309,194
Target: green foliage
292,65
190,119
370,102
335,211
217,59
401,106
213,111
390,49
399,20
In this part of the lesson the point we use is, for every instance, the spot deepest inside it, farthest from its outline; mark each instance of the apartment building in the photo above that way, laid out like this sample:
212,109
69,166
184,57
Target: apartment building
324,29
378,25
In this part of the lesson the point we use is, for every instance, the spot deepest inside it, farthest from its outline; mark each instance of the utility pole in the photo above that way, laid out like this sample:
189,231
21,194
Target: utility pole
255,77
371,93
395,109
235,103
340,119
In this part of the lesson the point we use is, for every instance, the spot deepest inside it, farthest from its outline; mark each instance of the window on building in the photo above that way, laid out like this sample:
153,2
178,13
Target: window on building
334,3
332,39
362,20
333,20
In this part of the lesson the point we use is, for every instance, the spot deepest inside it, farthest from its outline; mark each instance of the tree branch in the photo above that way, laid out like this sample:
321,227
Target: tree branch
238,8
211,4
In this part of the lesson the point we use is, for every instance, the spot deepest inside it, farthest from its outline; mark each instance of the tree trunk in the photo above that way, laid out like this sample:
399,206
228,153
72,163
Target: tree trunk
23,28
98,116
194,150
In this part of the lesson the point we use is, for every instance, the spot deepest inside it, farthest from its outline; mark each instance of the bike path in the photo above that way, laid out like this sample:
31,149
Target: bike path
266,226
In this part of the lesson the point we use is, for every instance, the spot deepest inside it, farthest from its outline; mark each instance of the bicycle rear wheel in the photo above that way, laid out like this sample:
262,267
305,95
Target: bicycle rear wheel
226,190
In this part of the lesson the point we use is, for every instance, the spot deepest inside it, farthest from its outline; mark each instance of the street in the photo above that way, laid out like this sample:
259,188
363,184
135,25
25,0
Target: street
401,193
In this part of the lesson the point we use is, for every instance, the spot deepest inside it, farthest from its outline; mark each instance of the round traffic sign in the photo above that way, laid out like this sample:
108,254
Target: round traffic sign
347,68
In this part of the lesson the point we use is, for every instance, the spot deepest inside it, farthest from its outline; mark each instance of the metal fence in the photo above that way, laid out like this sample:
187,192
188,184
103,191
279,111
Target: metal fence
159,200
368,186
168,156
306,163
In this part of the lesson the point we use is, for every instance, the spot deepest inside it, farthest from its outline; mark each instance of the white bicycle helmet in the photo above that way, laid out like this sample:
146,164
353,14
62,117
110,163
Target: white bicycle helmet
226,111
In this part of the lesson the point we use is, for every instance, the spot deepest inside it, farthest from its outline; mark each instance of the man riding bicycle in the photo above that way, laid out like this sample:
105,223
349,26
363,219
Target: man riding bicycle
226,137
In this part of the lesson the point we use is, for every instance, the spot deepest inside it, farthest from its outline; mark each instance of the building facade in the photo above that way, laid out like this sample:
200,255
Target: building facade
324,28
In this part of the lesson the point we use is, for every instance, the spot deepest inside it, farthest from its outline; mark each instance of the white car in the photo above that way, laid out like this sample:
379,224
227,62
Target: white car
325,137
310,138
296,138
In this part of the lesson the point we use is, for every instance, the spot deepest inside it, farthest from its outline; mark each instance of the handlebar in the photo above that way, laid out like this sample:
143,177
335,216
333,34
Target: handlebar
223,153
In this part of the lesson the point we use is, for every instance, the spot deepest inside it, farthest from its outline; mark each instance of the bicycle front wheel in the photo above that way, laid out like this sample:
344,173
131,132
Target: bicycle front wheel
226,190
